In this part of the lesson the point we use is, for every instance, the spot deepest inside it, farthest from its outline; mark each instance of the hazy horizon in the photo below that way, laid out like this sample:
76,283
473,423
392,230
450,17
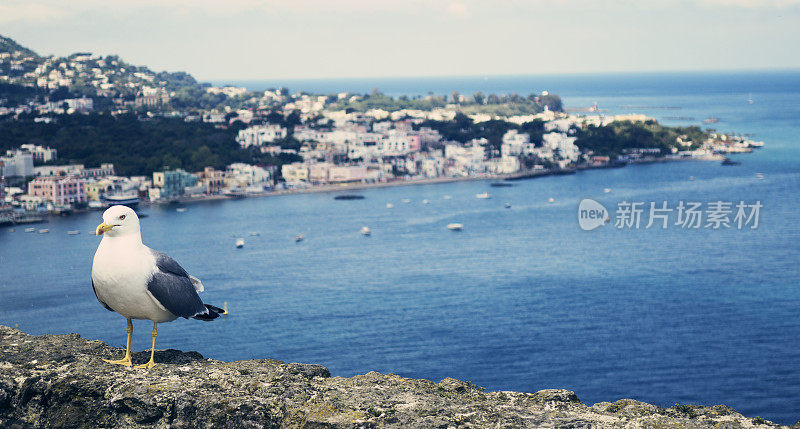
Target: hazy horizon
312,39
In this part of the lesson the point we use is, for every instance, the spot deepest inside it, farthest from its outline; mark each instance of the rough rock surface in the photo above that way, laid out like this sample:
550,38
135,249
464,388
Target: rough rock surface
60,381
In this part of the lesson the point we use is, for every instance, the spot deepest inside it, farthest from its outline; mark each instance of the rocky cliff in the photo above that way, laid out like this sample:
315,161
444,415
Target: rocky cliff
61,381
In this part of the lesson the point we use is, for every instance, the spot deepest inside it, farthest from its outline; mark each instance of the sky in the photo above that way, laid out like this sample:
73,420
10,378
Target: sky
308,39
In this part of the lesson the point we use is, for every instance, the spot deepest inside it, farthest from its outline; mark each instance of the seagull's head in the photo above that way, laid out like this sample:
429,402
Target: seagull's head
118,221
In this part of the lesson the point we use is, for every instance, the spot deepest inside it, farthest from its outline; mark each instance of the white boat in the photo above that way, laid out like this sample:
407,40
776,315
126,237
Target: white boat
365,231
131,200
389,205
507,205
483,196
455,226
551,200
30,229
239,243
254,234
691,177
426,202
759,176
298,238
44,231
406,200
180,209
447,197
96,205
73,232
607,190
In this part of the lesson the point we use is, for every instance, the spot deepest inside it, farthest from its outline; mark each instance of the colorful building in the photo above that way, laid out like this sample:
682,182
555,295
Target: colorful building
171,183
61,191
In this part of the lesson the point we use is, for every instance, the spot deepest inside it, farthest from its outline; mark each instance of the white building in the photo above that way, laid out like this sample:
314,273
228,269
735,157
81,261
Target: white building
319,172
17,163
467,159
347,173
295,172
306,134
40,153
432,167
515,143
503,165
83,104
565,145
257,135
239,175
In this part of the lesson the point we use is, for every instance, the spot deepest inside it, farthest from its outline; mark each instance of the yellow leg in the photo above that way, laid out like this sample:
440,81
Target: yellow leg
127,359
151,364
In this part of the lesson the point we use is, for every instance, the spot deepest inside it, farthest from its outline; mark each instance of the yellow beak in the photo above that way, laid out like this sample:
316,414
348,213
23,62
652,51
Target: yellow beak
103,227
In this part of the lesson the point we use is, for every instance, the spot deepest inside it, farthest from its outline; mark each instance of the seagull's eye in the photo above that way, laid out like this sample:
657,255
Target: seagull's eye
122,217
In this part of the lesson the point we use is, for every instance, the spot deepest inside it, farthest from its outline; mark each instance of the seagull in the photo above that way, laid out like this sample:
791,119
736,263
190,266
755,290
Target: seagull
141,283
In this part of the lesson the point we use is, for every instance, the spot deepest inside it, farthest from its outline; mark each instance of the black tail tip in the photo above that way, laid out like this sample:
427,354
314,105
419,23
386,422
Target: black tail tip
211,314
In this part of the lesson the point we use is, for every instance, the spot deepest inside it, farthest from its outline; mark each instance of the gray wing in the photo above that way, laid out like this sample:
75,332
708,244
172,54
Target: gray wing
98,298
173,288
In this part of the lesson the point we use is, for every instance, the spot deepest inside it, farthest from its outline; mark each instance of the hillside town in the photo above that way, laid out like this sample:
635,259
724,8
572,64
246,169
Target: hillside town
322,141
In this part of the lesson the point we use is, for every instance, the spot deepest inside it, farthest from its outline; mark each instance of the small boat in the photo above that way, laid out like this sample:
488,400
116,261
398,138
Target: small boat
349,197
365,231
691,177
483,196
455,226
180,209
239,243
501,184
507,205
406,200
234,193
389,205
607,190
11,229
426,202
254,234
710,120
298,238
759,175
447,197
728,161
73,232
30,229
44,231
551,200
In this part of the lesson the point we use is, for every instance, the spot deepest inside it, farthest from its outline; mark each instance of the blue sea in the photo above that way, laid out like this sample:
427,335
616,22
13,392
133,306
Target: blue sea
522,298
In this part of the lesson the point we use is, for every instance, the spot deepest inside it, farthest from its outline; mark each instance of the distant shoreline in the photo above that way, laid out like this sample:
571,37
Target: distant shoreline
530,174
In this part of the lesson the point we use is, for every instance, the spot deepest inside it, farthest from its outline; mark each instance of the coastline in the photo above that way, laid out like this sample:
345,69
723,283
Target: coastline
344,187
522,175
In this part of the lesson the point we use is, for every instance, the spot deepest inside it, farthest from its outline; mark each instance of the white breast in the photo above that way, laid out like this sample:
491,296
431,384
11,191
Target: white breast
120,272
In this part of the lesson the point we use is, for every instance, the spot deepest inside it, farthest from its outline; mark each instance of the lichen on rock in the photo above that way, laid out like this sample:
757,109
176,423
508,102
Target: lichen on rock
61,381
